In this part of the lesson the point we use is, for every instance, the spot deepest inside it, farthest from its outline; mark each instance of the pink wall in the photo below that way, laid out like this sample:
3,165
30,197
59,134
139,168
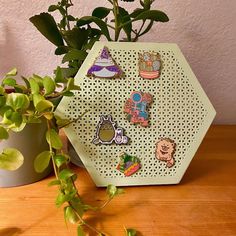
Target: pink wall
204,30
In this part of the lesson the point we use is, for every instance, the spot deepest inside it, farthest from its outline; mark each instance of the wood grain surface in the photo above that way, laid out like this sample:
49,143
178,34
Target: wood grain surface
204,203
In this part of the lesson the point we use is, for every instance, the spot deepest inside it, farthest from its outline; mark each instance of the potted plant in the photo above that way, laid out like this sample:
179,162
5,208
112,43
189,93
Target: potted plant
31,106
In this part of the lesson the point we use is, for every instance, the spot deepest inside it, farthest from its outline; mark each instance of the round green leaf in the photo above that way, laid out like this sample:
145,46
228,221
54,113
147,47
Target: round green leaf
49,85
9,82
37,98
3,133
101,12
53,139
65,174
17,101
41,162
34,86
11,159
111,190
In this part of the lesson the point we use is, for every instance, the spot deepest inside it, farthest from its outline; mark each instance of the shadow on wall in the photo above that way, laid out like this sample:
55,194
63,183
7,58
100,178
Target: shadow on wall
10,52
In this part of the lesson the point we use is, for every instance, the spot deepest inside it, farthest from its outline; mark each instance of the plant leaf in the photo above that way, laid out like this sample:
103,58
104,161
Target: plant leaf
47,26
61,50
54,182
69,72
53,8
44,105
71,84
74,54
12,72
100,23
34,86
41,162
59,160
11,159
70,215
65,174
49,85
101,12
53,139
37,98
136,12
154,15
9,82
17,101
76,37
3,133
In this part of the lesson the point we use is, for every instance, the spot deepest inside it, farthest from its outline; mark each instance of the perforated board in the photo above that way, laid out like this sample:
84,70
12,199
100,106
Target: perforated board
180,111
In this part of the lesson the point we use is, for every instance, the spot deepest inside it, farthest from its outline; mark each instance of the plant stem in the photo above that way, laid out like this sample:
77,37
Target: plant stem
116,12
138,33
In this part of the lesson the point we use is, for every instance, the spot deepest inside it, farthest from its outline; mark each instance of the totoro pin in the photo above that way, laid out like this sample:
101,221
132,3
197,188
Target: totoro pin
107,132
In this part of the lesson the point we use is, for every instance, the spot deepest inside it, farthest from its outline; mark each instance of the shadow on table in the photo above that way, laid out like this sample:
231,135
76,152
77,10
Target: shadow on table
12,231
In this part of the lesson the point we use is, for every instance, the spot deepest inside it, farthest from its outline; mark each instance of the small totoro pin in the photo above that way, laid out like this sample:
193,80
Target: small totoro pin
107,132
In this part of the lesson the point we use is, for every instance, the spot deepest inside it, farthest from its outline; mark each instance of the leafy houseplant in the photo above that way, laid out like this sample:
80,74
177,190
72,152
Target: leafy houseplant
74,35
35,103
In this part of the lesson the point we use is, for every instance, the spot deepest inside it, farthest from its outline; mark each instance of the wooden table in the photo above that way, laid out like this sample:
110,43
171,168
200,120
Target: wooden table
204,203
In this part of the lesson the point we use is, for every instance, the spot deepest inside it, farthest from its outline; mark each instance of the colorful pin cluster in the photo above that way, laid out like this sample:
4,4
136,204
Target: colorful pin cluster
135,108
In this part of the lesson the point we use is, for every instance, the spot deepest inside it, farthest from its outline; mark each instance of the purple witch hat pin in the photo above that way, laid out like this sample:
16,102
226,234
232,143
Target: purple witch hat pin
105,66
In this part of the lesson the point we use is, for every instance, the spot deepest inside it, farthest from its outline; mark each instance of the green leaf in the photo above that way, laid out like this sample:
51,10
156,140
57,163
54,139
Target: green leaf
44,105
3,133
77,205
100,23
70,215
65,174
59,160
9,82
68,94
34,86
69,72
49,85
71,85
61,50
2,100
76,38
54,182
80,231
75,54
47,26
136,12
101,12
53,8
130,232
2,90
11,159
41,162
147,4
111,190
37,98
12,72
61,122
17,101
53,139
59,77
62,198
17,118
154,15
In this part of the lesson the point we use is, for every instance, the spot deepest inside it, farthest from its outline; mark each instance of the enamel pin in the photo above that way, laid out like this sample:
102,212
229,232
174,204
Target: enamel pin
149,65
105,67
128,164
136,108
107,132
165,149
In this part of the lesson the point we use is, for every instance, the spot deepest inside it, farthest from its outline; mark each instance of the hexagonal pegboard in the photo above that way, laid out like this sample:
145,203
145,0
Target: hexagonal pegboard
180,111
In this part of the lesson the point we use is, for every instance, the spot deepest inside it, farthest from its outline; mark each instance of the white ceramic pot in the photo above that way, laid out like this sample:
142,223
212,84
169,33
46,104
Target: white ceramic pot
30,142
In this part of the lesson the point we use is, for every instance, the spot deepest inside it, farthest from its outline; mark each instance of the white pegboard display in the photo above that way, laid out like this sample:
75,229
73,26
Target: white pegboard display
180,111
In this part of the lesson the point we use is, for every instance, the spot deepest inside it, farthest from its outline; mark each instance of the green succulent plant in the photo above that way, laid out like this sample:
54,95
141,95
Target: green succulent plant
74,36
35,101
